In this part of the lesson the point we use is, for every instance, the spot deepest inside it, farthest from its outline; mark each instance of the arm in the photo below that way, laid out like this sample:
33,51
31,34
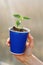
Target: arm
25,58
32,60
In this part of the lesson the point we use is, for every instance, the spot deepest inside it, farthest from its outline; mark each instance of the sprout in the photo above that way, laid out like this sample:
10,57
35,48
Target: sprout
20,19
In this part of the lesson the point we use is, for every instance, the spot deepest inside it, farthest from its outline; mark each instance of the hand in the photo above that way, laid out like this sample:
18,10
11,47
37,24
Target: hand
29,44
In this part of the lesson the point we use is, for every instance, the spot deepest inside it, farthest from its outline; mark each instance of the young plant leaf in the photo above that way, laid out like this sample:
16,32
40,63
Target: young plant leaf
26,18
17,15
17,23
20,18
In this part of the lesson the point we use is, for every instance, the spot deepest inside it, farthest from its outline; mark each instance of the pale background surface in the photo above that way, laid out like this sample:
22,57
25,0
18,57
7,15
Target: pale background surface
31,8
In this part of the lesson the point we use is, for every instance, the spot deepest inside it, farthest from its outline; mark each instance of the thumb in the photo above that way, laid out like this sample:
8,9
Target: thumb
8,42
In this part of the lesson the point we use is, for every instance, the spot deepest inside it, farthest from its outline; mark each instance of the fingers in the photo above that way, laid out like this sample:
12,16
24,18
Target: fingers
30,41
8,42
27,44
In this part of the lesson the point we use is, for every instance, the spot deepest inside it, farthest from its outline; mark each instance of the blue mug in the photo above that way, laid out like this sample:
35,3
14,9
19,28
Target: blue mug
18,41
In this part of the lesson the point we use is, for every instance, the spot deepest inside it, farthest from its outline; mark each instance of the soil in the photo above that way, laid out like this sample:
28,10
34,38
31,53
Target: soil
19,29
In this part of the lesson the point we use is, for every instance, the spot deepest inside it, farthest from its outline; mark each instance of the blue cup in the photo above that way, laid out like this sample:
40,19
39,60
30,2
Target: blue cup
18,41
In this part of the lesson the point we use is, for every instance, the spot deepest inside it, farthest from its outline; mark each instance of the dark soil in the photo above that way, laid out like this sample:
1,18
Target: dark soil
18,29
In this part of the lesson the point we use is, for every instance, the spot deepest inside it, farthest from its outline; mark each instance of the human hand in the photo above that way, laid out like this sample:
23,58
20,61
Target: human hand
29,45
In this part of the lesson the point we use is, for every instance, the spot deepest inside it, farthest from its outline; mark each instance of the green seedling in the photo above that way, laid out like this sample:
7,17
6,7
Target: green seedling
20,18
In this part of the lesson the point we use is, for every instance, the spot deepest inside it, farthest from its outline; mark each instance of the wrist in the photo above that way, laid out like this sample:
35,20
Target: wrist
26,60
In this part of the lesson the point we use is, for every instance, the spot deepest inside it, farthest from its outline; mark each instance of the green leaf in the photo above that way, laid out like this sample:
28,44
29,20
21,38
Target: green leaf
17,23
17,15
26,18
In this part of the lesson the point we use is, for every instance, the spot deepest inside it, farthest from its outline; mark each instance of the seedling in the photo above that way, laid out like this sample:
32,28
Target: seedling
20,18
18,36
